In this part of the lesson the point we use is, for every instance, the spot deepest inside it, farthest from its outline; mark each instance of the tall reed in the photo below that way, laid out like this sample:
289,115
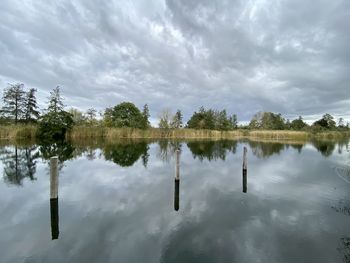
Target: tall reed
17,132
21,131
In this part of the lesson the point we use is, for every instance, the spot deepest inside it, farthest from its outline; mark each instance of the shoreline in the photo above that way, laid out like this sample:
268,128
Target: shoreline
28,132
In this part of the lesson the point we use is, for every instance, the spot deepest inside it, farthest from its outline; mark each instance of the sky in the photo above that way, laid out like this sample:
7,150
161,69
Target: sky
286,56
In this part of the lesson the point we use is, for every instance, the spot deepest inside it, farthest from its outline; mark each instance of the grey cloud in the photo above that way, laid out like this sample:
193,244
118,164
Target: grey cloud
285,56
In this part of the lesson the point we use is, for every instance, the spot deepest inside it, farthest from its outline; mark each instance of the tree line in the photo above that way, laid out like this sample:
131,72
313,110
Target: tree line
20,106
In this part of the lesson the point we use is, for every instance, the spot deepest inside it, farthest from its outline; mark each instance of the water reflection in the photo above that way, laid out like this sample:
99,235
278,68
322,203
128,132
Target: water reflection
326,148
19,163
177,195
118,216
212,150
54,218
297,146
126,153
343,207
244,171
167,148
244,183
266,149
64,150
344,249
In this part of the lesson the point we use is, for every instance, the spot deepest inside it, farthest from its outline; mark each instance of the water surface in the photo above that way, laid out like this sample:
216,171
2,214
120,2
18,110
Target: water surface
120,202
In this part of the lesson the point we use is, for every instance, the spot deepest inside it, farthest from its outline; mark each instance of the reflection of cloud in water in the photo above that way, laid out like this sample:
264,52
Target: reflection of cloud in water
111,212
343,173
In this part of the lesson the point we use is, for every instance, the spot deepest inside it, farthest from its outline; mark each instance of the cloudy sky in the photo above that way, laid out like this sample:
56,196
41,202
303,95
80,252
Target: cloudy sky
286,56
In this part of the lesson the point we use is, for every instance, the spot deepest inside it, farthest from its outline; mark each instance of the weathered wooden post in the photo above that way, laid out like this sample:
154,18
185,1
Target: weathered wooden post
177,181
177,165
244,172
54,177
54,197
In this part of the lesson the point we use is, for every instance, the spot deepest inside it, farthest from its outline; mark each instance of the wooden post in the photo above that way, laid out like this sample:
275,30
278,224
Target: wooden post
177,165
244,171
54,177
54,197
177,181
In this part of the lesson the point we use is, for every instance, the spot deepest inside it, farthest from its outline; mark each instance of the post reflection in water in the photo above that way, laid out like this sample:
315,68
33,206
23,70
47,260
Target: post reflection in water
244,170
54,218
177,181
177,195
245,188
54,197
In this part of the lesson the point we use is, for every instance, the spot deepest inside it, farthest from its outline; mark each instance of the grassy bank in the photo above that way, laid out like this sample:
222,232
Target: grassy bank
154,133
17,132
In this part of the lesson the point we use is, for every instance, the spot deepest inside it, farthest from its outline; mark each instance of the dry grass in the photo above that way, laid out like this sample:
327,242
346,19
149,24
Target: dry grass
21,132
18,132
153,133
86,132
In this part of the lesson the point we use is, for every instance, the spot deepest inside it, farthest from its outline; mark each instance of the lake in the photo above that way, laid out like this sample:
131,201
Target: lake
120,202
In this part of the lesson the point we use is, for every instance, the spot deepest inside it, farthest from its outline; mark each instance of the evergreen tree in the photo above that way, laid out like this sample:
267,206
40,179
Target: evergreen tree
55,101
146,115
223,123
31,109
14,102
234,122
56,122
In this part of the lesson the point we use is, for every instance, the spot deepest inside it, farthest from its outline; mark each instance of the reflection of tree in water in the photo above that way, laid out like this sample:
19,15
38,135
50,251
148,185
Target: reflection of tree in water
145,157
30,156
343,143
326,148
90,154
126,153
212,150
19,163
345,248
297,147
344,208
62,149
265,149
167,149
87,151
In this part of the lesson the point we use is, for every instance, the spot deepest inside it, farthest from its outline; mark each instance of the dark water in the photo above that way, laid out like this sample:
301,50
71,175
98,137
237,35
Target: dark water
120,202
